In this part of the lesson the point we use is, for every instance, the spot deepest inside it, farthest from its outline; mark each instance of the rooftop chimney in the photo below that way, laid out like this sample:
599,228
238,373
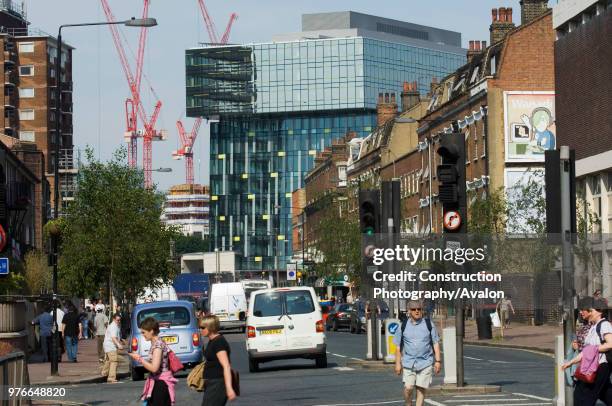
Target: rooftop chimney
386,108
410,96
476,47
531,9
501,24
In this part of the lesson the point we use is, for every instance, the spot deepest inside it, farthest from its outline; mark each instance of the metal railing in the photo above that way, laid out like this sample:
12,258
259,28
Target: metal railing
14,374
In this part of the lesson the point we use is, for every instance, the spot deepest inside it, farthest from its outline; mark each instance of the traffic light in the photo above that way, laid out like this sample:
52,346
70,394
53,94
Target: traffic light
452,190
369,212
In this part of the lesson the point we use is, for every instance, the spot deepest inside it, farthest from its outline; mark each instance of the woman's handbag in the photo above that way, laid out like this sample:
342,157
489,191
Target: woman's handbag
236,382
586,378
195,379
174,363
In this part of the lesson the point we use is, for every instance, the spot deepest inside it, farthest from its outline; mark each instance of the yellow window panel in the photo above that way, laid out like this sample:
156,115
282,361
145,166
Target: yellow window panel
251,133
280,237
251,196
221,218
274,175
288,194
265,216
327,130
290,132
221,156
214,198
312,152
237,238
257,259
245,176
281,153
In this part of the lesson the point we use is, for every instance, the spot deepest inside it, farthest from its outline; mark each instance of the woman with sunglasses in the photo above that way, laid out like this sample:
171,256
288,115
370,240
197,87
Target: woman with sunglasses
218,371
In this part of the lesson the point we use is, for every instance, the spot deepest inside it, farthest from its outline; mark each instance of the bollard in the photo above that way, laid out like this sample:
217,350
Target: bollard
559,399
449,351
391,326
369,355
379,339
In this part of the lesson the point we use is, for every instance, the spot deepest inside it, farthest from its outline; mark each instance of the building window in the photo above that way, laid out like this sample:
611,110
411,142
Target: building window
595,189
27,136
26,70
26,92
26,47
26,114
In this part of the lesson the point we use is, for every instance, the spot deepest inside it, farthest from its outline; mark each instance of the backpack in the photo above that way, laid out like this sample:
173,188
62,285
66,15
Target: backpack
429,327
602,341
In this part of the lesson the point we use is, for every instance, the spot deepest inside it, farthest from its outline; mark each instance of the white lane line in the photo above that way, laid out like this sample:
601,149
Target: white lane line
433,403
533,397
366,404
500,362
337,355
475,359
485,400
344,368
480,396
356,359
510,404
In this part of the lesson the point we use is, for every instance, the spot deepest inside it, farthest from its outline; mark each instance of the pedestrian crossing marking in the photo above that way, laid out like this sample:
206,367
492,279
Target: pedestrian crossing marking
532,396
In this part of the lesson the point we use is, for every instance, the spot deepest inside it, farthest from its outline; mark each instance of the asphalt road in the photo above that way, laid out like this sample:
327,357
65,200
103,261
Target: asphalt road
525,377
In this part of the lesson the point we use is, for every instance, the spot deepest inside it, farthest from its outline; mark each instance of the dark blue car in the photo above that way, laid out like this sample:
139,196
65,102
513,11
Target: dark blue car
178,328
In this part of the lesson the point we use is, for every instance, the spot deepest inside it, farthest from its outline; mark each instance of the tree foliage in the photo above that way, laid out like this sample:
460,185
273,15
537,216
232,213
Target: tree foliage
338,247
185,244
113,233
37,272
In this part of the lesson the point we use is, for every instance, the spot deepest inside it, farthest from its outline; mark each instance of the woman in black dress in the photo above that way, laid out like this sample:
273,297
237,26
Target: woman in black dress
217,373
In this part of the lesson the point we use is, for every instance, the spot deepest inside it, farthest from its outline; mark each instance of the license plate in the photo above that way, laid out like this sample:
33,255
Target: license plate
271,331
170,339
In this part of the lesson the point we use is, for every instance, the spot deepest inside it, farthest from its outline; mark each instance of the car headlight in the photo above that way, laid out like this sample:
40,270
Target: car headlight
362,319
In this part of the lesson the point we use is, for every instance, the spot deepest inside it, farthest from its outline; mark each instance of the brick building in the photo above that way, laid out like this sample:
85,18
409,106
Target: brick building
583,51
29,95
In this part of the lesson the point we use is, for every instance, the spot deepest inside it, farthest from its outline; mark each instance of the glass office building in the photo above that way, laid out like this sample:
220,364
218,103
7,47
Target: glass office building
278,104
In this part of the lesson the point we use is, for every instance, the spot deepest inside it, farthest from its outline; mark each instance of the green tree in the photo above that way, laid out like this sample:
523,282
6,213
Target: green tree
185,244
37,272
338,247
112,235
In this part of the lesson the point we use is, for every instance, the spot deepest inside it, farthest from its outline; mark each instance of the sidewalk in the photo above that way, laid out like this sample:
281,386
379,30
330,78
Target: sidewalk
536,338
86,370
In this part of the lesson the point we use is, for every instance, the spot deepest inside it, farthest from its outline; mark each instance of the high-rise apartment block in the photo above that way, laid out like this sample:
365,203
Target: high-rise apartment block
186,206
277,104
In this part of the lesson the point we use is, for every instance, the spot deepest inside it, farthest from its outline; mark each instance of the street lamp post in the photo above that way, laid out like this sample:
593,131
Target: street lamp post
133,22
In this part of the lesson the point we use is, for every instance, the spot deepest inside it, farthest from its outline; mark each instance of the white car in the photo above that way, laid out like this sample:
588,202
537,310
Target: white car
285,323
228,302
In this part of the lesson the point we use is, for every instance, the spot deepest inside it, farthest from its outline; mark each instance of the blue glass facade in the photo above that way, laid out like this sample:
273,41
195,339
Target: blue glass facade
278,104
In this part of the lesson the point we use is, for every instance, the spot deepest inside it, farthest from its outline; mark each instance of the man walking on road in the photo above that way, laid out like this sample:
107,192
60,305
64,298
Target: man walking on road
417,355
100,323
112,344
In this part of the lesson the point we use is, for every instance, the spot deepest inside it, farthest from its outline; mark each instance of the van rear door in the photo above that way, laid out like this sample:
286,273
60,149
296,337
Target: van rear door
267,318
301,317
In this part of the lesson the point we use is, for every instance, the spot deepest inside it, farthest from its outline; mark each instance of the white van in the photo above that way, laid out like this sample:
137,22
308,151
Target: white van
164,292
285,323
228,302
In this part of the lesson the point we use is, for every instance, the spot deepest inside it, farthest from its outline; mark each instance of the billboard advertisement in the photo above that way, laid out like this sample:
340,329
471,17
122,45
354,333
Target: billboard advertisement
529,125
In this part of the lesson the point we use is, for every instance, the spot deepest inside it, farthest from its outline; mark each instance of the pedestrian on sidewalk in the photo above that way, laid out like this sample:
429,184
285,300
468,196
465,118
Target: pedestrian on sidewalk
417,354
60,328
600,335
45,324
73,331
125,322
91,315
218,371
159,386
112,345
85,323
503,307
100,323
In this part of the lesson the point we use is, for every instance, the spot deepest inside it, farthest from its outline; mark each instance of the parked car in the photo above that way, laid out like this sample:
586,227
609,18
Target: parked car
339,317
178,329
357,322
285,323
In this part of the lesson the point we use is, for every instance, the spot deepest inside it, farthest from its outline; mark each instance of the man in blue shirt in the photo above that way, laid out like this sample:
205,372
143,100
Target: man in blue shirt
420,356
45,322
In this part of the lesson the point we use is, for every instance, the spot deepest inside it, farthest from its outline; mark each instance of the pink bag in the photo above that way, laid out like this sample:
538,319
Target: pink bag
174,363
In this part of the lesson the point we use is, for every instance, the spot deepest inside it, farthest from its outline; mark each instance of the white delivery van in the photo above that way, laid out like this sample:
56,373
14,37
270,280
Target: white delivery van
285,323
164,292
228,302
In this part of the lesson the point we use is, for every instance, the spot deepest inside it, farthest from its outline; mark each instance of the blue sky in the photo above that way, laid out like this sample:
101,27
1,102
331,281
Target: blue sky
100,87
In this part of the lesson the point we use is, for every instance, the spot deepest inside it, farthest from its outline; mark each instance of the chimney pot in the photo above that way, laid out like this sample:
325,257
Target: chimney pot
509,14
484,45
392,97
477,48
502,14
380,97
471,45
494,15
386,97
406,86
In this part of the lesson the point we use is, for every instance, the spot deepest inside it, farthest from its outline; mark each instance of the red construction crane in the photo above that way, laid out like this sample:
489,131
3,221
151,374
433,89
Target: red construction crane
186,151
210,25
134,109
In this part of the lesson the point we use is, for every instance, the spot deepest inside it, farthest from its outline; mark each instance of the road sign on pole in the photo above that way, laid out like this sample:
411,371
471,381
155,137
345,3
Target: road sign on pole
291,271
4,266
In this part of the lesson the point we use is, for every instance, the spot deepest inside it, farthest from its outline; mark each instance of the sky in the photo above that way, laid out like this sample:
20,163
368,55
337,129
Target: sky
100,87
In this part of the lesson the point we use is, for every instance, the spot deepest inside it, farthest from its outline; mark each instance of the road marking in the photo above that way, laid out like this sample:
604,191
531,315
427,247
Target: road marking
475,359
366,404
509,404
482,396
356,359
337,355
433,403
485,400
500,362
344,368
533,397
